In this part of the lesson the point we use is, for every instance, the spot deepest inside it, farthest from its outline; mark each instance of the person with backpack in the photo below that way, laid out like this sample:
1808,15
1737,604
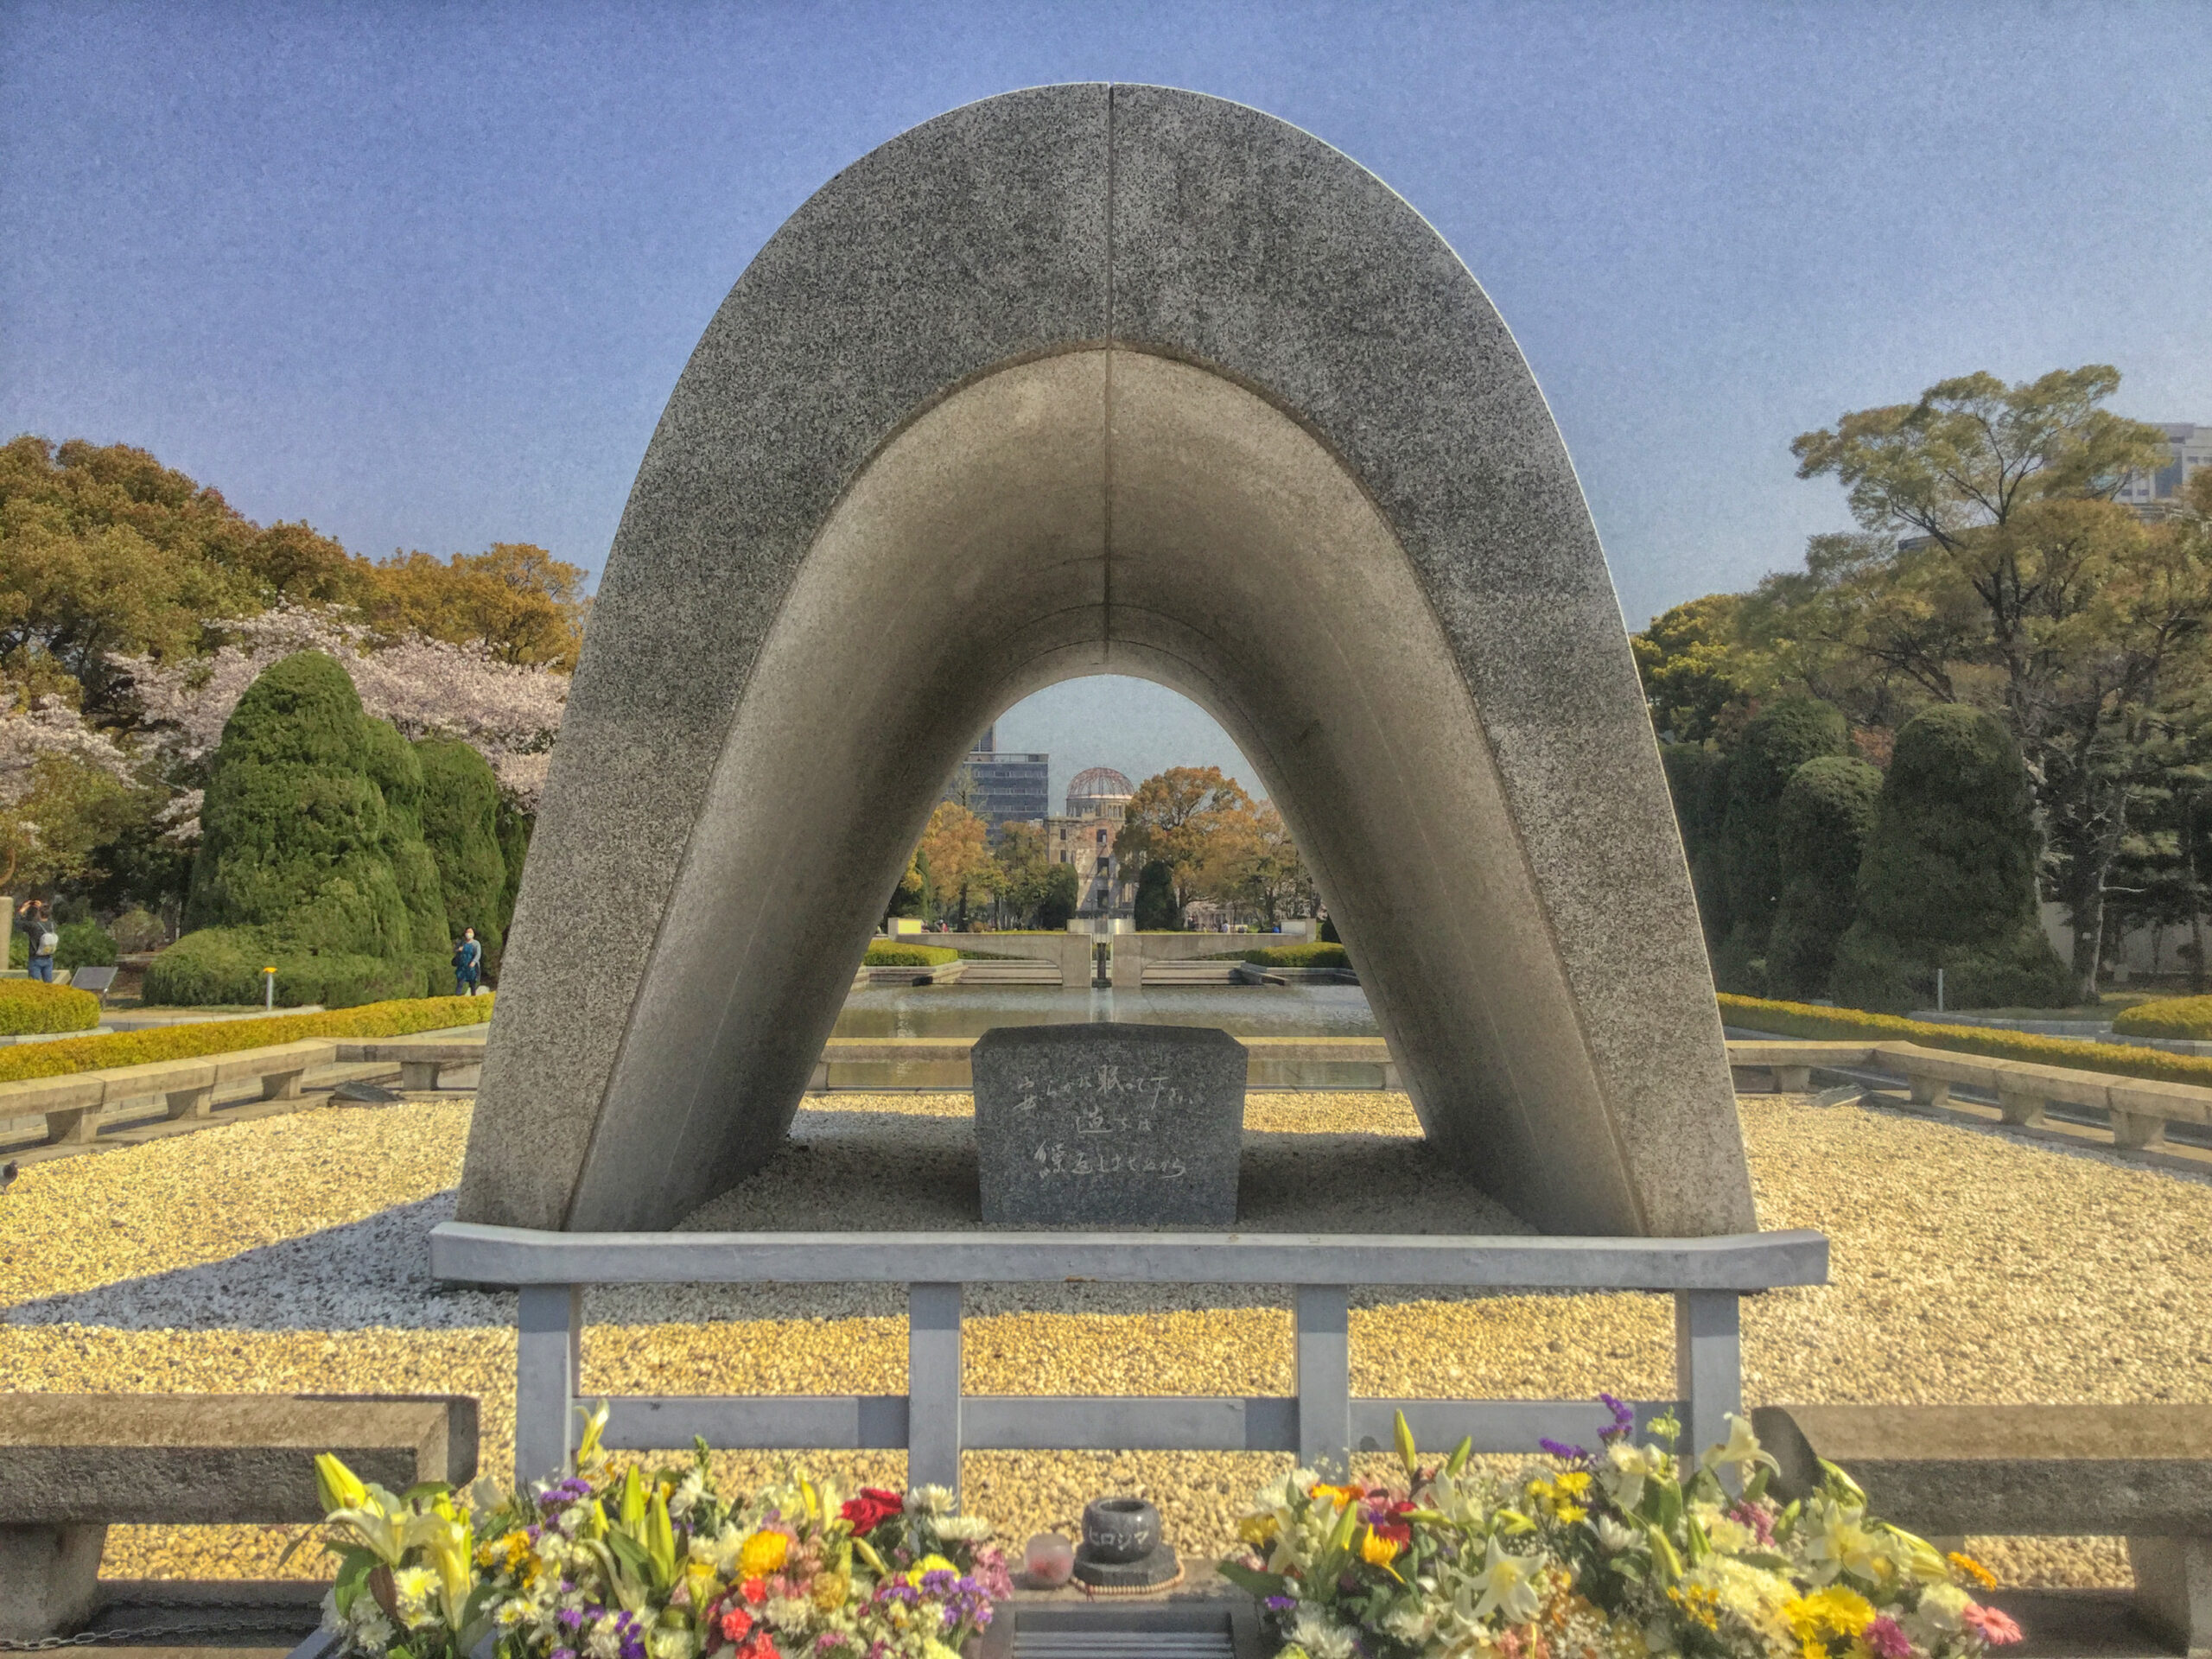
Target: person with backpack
38,927
467,964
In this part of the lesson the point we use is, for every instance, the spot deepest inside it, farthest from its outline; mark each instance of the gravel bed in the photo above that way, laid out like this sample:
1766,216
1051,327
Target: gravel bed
287,1254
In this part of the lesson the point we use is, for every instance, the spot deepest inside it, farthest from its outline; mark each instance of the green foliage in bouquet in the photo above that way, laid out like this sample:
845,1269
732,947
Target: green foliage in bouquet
1627,1552
655,1565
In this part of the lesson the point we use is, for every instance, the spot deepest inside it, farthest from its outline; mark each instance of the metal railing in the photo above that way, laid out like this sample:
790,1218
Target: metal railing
934,1421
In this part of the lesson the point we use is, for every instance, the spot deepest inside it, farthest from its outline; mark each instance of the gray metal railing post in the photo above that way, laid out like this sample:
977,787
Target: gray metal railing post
548,1369
1708,1365
933,1385
1324,1377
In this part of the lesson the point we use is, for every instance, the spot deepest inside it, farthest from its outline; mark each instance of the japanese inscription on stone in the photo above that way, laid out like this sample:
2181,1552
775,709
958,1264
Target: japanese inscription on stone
1108,1125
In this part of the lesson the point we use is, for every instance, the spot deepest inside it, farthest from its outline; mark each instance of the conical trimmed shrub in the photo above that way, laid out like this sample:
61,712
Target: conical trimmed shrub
1821,827
304,864
1948,880
1780,738
461,826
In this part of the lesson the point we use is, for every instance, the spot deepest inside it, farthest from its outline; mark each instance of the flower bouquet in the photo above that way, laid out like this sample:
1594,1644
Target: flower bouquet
1621,1553
655,1565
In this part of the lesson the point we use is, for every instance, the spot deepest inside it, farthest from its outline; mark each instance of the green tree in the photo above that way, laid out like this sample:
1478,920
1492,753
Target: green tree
1697,780
1949,877
1824,817
2024,589
297,860
460,827
1782,737
1693,668
1157,911
515,600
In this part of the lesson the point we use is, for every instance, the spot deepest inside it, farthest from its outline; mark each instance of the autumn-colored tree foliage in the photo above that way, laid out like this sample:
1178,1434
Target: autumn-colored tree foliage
518,601
1172,818
955,860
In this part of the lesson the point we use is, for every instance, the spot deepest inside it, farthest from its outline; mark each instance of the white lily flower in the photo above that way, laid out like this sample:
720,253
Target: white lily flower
1741,1450
1506,1586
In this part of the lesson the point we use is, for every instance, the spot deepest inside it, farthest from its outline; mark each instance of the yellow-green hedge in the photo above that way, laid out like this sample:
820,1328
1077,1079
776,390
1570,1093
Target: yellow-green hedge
1811,1021
909,956
2187,1017
401,1018
32,1005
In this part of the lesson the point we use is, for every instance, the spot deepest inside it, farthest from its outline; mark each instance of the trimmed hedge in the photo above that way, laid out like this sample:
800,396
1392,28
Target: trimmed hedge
460,827
1293,956
1826,815
85,945
221,966
28,1006
1846,1024
909,956
2186,1017
68,1054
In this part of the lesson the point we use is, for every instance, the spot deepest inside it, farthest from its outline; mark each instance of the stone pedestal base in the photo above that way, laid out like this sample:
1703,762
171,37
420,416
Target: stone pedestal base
49,1579
1147,1571
2173,1589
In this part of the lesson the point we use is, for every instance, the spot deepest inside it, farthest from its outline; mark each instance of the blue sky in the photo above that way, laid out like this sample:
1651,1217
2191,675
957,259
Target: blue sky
424,275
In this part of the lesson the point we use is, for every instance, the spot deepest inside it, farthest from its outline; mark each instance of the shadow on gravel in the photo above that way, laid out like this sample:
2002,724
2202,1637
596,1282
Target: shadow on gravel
840,1172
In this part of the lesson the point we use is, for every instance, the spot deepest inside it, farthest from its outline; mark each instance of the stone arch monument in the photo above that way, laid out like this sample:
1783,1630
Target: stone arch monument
1107,378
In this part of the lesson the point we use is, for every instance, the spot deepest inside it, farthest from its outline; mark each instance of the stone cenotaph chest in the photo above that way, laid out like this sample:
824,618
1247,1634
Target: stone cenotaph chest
1108,1125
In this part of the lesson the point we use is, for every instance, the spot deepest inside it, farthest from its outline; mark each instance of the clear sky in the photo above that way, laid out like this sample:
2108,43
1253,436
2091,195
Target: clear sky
423,275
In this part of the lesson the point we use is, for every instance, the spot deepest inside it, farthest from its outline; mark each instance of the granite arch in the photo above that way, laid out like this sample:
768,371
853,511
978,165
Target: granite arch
1107,378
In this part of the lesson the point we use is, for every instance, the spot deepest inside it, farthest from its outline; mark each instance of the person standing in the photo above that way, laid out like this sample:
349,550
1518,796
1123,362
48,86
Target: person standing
467,964
37,924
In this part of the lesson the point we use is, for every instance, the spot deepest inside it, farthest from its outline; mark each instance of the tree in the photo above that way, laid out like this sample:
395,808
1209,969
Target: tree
1782,737
517,602
1697,781
1693,668
955,860
2028,590
1032,890
1251,862
1157,911
1170,820
460,827
1948,881
1826,815
306,859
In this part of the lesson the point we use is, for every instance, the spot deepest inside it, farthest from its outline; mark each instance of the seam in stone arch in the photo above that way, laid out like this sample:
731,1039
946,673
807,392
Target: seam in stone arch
1106,434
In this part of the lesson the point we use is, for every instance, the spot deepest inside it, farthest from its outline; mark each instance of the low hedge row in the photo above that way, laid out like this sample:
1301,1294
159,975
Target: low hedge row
2186,1017
28,1006
909,956
1294,955
69,1054
1815,1023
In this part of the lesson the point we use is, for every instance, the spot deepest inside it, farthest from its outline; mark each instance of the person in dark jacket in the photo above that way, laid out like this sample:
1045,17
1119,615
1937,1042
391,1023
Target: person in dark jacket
467,964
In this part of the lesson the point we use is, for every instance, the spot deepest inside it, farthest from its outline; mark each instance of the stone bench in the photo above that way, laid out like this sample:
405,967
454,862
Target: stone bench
1793,1064
76,1106
421,1059
2139,1109
77,1464
2143,1472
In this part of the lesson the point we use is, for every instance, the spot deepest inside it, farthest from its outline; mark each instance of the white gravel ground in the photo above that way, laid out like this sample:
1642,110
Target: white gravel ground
288,1253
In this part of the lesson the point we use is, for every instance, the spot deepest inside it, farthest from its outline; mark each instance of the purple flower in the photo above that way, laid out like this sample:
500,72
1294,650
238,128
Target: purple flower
1624,1416
1281,1603
1886,1639
564,1653
569,1620
1569,1454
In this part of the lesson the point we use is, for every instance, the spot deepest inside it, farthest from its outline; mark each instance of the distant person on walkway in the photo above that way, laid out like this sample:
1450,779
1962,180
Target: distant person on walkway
467,964
38,927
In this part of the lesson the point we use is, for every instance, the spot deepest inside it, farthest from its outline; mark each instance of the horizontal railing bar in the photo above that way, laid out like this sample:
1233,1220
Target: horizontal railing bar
1493,1424
514,1255
741,1422
1005,1422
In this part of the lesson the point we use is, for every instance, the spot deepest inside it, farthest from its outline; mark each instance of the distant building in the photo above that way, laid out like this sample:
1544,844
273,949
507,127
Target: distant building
1099,800
2189,447
1002,787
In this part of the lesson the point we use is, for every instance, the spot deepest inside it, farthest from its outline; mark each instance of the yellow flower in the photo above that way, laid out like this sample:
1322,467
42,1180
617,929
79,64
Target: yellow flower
1836,1609
1339,1496
764,1552
928,1564
1376,1550
830,1590
1574,1483
1973,1569
1258,1529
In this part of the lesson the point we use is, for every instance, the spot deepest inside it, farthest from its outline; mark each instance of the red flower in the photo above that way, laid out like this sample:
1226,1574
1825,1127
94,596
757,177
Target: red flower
754,1591
758,1646
735,1623
871,1509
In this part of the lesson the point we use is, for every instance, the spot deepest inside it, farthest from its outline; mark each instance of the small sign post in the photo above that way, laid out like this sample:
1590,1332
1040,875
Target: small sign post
269,989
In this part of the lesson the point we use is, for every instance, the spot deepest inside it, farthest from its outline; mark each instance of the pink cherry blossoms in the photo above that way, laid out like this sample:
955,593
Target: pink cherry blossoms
509,714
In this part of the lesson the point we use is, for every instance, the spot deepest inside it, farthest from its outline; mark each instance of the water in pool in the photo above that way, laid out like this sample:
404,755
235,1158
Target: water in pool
1240,1010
